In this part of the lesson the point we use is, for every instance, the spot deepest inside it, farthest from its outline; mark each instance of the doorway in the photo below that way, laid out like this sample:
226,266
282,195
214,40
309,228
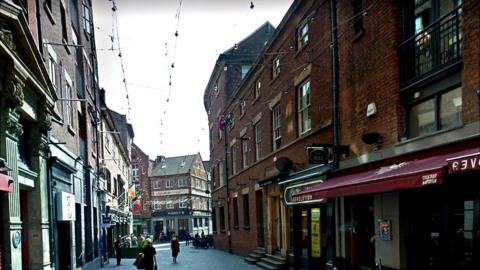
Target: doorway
276,223
64,248
362,233
25,222
260,227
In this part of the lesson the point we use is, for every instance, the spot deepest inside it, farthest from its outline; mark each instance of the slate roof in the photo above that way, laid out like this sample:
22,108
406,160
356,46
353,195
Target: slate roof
173,166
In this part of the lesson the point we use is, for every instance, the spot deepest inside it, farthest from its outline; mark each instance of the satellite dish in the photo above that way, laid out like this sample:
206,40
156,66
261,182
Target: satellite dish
284,164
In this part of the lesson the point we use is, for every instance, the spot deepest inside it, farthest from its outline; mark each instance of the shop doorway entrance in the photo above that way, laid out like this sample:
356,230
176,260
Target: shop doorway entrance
64,242
276,223
260,227
362,233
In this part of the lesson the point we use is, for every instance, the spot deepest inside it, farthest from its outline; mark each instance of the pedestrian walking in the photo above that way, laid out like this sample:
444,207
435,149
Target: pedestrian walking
175,246
189,238
149,258
118,251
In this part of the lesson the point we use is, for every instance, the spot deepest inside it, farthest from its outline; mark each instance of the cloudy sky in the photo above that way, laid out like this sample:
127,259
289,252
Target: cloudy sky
170,120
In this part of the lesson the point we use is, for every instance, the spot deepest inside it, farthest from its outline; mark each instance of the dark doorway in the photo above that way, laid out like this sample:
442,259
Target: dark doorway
362,248
64,242
110,242
260,226
25,223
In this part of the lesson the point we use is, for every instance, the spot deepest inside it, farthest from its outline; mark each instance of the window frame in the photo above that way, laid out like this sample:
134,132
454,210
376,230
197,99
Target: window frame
258,141
303,38
233,152
87,17
244,141
276,126
246,211
302,127
276,67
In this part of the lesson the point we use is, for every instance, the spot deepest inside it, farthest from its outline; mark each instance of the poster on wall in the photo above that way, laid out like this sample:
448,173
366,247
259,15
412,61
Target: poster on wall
65,206
385,229
316,233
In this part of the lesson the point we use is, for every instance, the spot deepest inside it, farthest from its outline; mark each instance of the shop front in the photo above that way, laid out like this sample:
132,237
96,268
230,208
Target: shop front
307,247
422,213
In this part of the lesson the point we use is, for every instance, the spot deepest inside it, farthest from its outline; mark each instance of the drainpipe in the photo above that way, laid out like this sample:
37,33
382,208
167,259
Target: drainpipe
336,133
51,213
226,118
39,27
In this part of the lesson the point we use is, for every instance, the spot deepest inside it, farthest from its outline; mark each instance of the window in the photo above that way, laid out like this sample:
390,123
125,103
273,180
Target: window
302,35
246,211
220,131
257,89
87,19
169,183
244,152
276,67
245,69
195,222
135,173
442,111
182,182
63,18
277,127
156,205
242,107
170,204
211,138
183,204
108,140
233,151
357,16
52,68
304,114
68,104
221,171
222,218
74,15
258,141
235,213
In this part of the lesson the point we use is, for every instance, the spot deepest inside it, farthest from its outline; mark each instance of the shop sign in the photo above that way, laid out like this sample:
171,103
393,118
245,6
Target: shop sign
200,213
5,182
65,206
170,192
464,164
316,233
295,189
430,179
172,213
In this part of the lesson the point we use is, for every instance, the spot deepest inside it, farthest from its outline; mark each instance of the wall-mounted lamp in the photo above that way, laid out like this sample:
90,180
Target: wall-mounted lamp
374,139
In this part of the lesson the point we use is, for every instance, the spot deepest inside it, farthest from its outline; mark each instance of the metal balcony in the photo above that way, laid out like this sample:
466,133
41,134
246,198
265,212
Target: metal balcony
437,48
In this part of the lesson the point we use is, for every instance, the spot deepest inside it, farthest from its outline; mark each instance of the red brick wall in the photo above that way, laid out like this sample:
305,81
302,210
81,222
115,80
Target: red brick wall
471,60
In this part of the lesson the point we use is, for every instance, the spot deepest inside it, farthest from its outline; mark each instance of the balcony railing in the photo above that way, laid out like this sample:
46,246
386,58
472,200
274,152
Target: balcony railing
437,47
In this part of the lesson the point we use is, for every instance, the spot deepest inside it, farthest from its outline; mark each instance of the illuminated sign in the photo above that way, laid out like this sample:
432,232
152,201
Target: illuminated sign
65,206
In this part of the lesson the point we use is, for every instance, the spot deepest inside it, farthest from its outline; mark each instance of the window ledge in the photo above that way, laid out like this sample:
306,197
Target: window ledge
236,227
273,79
435,133
246,227
71,131
300,50
67,48
49,14
255,100
358,35
223,231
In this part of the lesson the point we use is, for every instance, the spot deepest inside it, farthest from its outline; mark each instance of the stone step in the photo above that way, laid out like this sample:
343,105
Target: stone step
250,260
259,252
277,257
256,255
274,262
267,266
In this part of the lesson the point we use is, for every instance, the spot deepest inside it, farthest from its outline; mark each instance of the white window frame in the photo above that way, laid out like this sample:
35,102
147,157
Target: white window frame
303,37
182,182
170,205
68,101
244,152
257,89
258,141
277,126
156,184
233,151
221,171
304,110
276,67
169,183
87,17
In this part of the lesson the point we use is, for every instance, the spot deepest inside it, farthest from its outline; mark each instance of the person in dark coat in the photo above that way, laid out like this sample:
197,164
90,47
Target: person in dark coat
118,251
175,246
149,260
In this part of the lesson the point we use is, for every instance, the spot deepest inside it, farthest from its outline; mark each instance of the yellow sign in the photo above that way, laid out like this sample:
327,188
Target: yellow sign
316,233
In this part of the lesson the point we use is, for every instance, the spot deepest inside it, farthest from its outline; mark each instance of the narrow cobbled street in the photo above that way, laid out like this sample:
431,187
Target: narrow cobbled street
190,258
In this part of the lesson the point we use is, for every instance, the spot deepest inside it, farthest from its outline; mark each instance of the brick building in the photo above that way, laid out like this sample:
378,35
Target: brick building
408,113
179,197
61,182
141,170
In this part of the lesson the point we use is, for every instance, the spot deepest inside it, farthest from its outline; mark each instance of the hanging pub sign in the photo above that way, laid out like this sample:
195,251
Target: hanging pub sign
318,155
65,206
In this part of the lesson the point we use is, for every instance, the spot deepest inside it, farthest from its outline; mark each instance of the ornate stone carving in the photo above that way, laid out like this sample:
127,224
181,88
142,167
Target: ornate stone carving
7,37
44,119
14,128
43,147
14,91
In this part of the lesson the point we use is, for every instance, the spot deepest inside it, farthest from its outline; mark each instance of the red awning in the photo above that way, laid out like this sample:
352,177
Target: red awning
409,174
4,184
